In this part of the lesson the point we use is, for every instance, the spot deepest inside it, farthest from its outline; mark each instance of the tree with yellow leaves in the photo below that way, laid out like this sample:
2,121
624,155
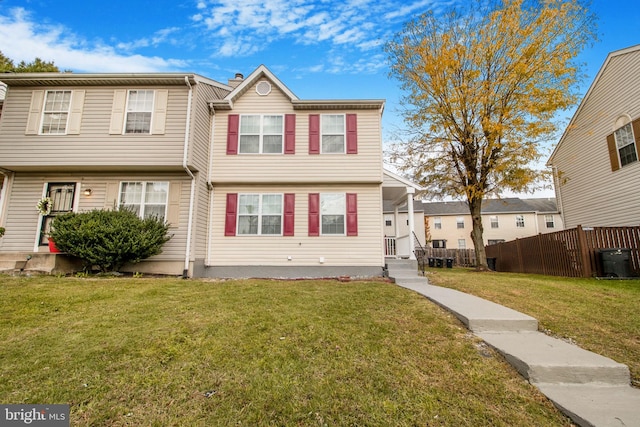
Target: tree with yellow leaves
483,84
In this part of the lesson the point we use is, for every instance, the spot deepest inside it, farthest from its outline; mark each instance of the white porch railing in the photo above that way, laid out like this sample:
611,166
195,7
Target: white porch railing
389,246
399,247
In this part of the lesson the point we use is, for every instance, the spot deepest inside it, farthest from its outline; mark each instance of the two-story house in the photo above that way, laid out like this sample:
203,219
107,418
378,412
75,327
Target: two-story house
595,163
449,223
254,181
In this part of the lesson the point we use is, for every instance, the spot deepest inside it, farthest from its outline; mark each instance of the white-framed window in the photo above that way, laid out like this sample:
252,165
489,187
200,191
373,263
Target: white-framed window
494,241
333,210
437,222
261,134
388,220
55,113
145,198
462,244
139,110
494,221
260,214
625,143
549,221
460,222
520,221
332,133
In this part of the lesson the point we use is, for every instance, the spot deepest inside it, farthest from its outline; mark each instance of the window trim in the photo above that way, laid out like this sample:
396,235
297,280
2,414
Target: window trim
45,112
151,112
494,224
343,134
460,222
437,223
260,214
552,222
631,143
143,202
520,221
261,133
343,214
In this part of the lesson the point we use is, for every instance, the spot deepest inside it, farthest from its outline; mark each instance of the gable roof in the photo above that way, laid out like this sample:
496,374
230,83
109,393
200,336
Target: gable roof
610,56
489,206
325,104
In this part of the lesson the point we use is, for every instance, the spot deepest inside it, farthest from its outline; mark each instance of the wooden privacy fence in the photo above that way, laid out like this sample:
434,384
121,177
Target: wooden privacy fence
571,253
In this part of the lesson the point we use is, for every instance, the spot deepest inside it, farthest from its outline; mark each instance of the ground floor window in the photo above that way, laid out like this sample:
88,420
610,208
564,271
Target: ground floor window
145,198
259,214
439,244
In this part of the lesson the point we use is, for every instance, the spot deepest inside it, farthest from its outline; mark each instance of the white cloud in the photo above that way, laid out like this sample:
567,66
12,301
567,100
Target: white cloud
23,39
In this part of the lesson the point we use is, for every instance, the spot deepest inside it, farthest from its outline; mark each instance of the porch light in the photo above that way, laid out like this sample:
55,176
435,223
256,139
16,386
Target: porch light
87,192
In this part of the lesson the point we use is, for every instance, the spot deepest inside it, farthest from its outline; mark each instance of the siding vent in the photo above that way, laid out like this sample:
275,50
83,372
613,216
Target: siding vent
263,88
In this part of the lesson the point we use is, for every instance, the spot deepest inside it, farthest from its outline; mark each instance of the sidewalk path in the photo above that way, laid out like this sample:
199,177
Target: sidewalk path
591,389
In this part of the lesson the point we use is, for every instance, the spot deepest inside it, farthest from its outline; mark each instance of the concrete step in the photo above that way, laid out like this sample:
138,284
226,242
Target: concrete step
595,404
477,314
543,359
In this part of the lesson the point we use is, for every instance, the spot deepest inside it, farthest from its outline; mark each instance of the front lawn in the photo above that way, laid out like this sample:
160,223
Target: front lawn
171,352
602,316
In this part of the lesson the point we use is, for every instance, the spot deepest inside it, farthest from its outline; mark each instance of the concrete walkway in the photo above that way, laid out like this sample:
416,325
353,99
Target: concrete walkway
591,389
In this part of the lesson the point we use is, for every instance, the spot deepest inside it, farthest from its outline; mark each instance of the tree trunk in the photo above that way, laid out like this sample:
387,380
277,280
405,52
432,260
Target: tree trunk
475,208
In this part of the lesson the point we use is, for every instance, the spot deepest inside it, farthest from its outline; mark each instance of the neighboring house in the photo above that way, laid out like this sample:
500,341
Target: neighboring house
595,164
505,219
254,181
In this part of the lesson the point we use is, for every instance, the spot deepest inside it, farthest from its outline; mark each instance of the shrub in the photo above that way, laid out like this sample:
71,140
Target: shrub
109,239
1,231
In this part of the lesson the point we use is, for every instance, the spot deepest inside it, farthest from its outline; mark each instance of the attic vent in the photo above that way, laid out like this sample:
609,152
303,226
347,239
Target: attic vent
263,88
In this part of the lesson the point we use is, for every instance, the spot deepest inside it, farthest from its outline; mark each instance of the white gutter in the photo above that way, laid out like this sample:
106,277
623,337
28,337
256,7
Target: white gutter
192,196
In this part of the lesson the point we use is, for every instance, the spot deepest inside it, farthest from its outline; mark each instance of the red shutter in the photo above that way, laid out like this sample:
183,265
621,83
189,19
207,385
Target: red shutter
314,134
613,152
290,134
352,134
289,214
232,134
230,217
352,214
314,214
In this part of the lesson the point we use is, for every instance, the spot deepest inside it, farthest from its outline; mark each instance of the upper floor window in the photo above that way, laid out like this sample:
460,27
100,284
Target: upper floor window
494,221
549,221
333,133
437,222
460,222
625,144
261,134
146,199
388,220
138,113
260,214
520,221
56,111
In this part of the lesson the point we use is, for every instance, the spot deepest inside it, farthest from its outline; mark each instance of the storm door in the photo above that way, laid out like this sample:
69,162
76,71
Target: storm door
62,195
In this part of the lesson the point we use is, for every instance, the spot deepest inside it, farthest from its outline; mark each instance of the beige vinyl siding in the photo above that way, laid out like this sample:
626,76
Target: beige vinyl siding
93,146
22,217
590,193
366,166
365,249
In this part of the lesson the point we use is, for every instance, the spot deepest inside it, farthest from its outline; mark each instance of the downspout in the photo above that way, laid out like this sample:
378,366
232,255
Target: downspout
192,196
212,113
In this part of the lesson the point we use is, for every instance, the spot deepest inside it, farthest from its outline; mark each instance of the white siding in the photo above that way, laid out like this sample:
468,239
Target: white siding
365,249
366,166
591,194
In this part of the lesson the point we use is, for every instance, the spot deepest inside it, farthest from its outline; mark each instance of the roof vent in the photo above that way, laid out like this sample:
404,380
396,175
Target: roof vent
263,88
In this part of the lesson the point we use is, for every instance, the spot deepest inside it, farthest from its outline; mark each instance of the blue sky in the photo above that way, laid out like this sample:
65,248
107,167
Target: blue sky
318,48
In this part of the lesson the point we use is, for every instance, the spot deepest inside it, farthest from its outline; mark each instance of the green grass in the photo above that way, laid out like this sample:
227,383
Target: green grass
602,316
170,352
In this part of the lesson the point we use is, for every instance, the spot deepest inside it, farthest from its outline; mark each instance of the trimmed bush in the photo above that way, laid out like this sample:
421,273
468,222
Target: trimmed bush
109,239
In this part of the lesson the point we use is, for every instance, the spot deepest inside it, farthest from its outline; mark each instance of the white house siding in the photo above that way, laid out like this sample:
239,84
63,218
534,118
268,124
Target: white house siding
365,166
93,146
22,218
588,192
365,249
